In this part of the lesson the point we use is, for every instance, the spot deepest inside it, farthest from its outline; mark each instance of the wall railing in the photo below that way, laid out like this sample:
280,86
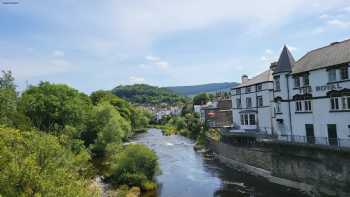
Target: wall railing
336,142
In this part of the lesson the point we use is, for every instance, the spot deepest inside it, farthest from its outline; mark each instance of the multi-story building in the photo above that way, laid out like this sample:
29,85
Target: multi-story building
252,104
218,115
303,101
312,95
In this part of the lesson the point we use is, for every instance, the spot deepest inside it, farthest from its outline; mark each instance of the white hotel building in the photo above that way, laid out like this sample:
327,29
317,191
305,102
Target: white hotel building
307,100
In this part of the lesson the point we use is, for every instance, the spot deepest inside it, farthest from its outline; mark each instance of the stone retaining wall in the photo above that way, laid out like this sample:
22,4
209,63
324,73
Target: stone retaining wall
316,170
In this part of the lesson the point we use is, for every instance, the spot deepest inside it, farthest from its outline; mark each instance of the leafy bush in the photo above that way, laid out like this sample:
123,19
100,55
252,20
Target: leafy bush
135,165
35,164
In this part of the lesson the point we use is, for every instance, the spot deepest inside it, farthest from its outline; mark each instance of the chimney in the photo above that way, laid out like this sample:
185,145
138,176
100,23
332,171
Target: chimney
273,66
244,79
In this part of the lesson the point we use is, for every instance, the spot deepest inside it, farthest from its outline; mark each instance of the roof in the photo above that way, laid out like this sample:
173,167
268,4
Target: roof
333,54
265,76
285,62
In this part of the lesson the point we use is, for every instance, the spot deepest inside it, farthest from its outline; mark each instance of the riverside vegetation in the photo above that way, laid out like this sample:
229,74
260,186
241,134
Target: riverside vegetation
54,141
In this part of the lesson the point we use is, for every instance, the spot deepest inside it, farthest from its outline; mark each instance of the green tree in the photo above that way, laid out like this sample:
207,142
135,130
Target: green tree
141,118
51,107
8,98
123,106
35,164
201,99
106,126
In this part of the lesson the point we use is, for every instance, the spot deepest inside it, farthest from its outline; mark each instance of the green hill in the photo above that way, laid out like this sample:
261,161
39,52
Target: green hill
146,94
197,89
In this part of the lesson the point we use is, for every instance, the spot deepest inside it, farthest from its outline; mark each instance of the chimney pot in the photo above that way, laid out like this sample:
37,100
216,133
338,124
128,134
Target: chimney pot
244,78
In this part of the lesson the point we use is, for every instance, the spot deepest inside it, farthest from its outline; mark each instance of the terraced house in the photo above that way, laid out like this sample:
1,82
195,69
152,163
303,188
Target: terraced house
252,104
304,101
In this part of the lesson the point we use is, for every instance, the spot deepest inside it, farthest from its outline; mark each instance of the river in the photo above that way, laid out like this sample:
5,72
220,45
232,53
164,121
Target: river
187,173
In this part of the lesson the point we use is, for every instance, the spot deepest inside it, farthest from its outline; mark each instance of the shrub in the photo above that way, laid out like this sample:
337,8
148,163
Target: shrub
134,165
35,164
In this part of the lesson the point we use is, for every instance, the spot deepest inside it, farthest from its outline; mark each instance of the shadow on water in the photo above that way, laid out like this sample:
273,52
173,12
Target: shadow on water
187,173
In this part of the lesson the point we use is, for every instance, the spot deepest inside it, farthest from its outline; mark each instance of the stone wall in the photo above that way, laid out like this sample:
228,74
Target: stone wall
314,169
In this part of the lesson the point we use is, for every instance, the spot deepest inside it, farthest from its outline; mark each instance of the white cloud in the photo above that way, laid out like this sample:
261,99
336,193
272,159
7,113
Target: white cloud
324,16
318,30
152,58
58,53
26,69
155,62
268,51
163,65
339,23
134,79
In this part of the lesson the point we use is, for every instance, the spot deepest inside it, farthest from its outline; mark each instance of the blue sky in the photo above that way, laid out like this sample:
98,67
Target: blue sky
94,45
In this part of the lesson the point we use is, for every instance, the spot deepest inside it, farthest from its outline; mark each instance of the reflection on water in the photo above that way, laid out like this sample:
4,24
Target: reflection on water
186,173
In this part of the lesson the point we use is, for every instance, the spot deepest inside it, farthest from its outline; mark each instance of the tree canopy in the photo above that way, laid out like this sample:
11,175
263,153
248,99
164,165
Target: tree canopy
201,99
146,94
53,106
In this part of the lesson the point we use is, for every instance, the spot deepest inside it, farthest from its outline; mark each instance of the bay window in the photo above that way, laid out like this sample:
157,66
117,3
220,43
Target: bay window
335,103
346,102
248,119
308,106
298,106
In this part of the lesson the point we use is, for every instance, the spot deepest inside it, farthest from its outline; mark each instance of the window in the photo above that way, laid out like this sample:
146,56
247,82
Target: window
306,80
259,87
344,73
238,91
238,103
298,106
346,102
308,106
277,83
260,101
247,89
278,107
296,82
249,102
246,121
332,75
251,119
334,103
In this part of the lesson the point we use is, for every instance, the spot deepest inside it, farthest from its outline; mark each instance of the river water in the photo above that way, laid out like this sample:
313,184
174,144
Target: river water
187,173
